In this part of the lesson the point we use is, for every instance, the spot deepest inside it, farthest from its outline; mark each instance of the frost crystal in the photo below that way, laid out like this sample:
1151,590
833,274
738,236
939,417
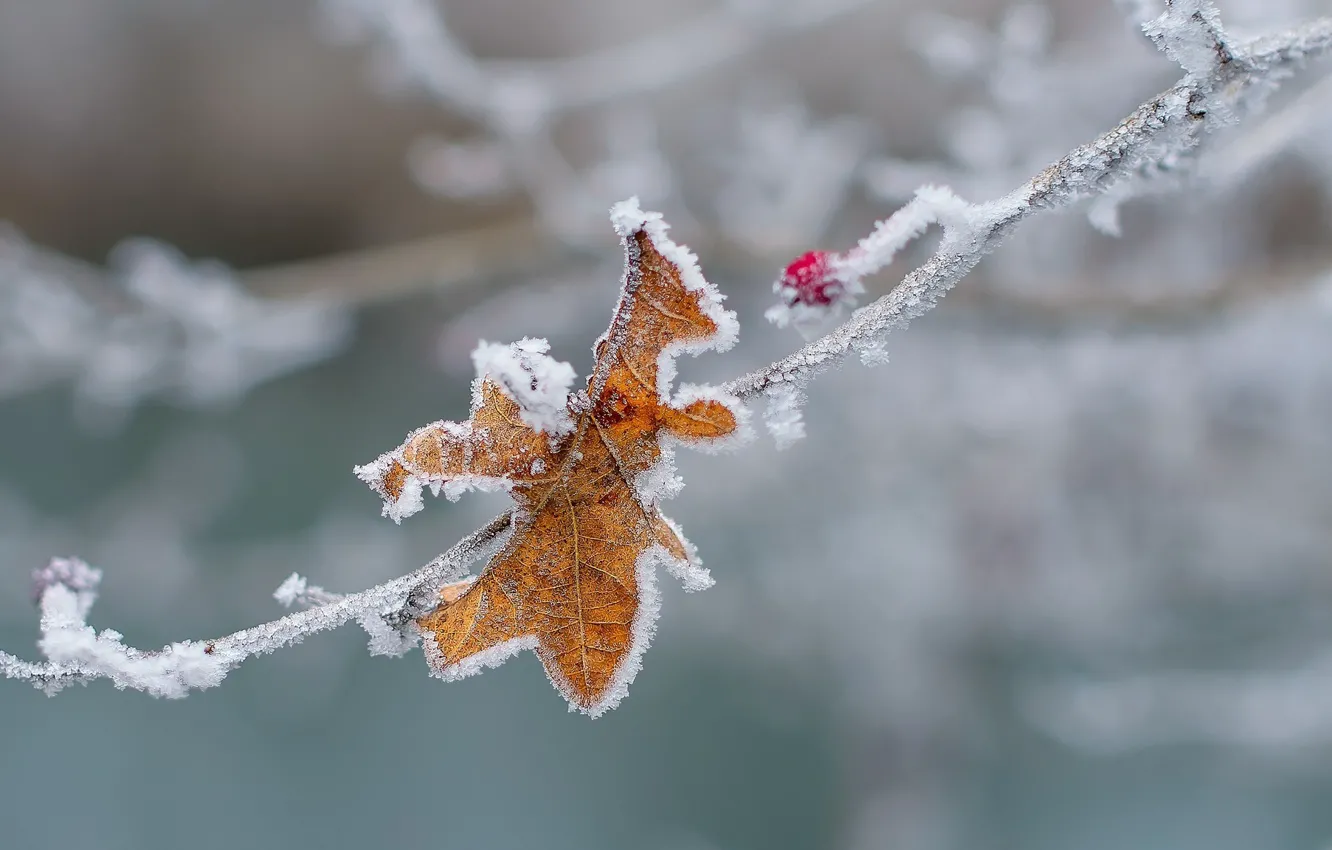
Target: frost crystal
386,639
290,590
782,415
71,573
643,629
1189,32
76,654
408,502
628,218
189,332
659,482
691,573
1225,79
68,589
295,590
528,375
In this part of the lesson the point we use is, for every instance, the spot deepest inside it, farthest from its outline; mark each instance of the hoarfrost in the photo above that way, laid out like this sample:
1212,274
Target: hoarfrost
528,375
932,204
71,573
782,415
295,590
628,219
817,287
290,590
385,638
691,573
1224,80
809,319
743,433
158,325
1189,32
475,663
408,502
76,654
1159,139
658,482
68,590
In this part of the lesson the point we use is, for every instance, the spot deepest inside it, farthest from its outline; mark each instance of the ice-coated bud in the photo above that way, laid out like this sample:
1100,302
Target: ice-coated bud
808,280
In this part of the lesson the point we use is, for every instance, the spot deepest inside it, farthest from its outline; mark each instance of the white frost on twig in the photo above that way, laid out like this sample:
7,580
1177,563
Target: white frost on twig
1189,32
819,284
782,415
1165,129
75,652
69,588
291,590
158,326
295,590
1170,125
517,104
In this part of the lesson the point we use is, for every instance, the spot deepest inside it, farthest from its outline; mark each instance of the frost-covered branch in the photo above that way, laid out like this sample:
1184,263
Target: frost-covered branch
1226,79
1234,80
76,653
519,103
509,96
155,325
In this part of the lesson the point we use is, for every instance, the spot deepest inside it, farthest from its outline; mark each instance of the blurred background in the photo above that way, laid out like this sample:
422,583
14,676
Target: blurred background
1059,575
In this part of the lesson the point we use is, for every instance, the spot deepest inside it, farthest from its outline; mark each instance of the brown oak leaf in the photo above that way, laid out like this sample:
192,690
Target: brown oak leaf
575,581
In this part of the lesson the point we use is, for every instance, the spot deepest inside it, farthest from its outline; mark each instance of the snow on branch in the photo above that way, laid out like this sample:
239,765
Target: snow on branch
154,325
1190,33
1234,81
517,103
1225,80
76,653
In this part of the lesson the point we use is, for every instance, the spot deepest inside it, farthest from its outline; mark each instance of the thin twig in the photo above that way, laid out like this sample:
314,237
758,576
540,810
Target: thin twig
1169,127
176,666
1173,121
462,264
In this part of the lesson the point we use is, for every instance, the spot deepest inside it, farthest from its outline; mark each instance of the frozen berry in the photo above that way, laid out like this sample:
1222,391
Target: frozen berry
808,281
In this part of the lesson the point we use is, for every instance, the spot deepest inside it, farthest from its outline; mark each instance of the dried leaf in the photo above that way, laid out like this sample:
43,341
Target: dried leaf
576,580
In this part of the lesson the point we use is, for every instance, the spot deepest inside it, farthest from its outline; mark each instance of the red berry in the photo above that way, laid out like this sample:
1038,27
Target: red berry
809,280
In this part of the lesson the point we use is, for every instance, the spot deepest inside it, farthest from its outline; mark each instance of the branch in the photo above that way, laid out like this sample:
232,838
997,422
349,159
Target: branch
518,102
1168,128
1170,125
152,324
67,589
462,264
507,95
